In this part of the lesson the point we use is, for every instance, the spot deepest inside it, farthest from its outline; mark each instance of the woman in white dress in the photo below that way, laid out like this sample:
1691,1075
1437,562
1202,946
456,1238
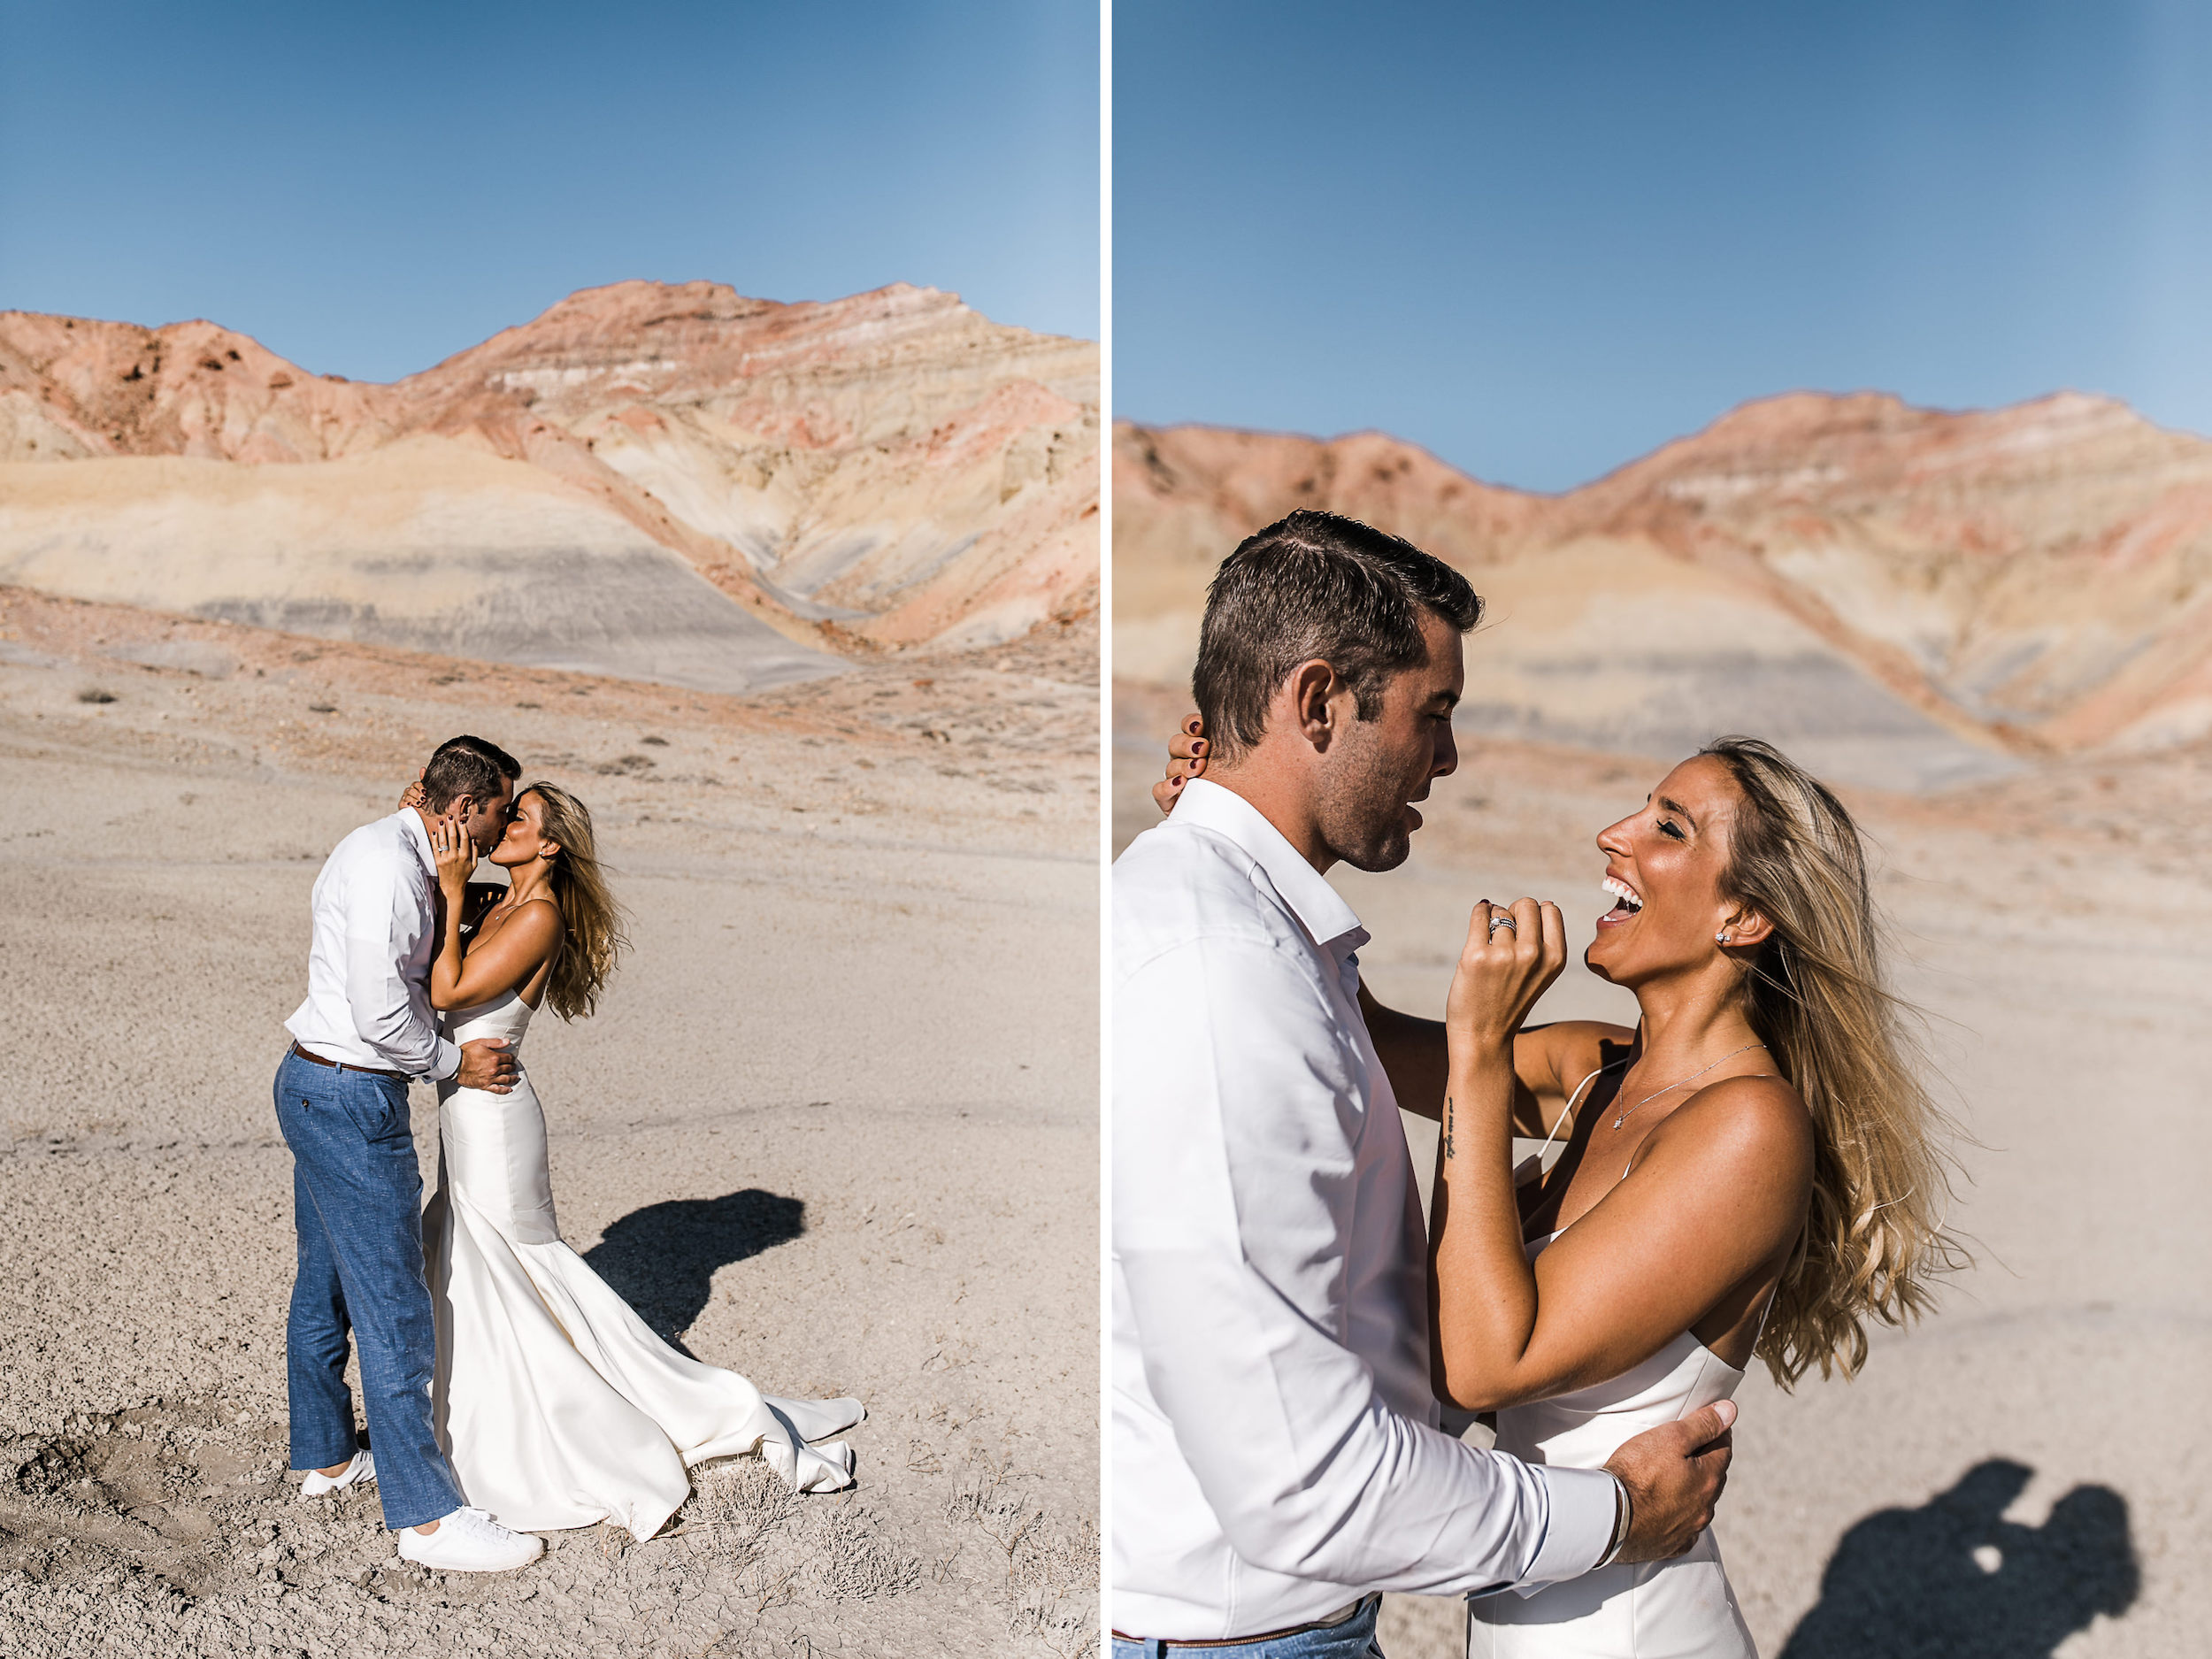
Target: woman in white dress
1754,1169
557,1406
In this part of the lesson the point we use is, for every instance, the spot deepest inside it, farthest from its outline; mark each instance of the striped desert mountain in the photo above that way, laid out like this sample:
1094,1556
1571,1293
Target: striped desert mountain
660,482
1906,596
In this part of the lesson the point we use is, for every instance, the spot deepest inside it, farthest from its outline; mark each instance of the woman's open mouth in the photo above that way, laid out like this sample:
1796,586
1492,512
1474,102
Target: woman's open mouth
1626,902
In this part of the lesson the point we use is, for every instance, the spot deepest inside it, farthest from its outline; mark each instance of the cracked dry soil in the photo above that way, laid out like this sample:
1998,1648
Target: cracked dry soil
171,1527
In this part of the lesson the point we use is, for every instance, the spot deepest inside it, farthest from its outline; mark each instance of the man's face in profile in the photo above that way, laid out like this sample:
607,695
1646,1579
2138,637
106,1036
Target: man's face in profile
1375,769
485,821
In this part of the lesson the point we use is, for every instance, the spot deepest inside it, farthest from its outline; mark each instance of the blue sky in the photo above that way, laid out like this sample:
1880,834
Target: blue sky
1542,238
370,188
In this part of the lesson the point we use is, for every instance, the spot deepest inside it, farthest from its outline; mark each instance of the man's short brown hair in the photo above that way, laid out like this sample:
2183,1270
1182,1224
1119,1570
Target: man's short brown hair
1317,585
466,765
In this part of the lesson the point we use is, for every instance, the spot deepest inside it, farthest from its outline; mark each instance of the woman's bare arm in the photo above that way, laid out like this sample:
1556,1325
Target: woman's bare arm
503,962
454,857
1717,1193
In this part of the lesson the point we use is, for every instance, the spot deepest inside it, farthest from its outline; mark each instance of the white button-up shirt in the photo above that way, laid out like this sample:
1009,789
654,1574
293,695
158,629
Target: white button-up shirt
1275,1445
368,968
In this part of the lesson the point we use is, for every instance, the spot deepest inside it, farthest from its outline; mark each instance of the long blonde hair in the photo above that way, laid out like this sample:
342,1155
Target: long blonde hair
593,920
1874,1237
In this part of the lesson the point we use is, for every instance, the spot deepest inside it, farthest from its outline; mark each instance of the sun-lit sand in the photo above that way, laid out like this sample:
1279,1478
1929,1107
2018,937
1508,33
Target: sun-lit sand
836,1126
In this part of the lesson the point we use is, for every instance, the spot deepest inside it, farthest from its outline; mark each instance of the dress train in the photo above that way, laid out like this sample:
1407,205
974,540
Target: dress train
556,1405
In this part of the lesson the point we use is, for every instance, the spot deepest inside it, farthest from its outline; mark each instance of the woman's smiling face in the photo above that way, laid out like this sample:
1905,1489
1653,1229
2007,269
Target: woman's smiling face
1663,866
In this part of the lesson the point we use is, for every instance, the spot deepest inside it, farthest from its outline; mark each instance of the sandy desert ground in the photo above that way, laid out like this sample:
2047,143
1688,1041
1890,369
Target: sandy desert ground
2025,1473
835,1127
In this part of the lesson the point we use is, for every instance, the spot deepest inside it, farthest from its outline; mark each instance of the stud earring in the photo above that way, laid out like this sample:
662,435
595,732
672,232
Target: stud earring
1721,938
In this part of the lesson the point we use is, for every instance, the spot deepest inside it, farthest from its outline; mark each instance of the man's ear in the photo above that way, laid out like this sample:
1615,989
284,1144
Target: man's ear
1312,685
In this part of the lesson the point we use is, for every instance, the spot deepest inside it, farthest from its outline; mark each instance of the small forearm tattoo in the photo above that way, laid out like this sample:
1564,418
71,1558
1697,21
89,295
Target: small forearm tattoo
1447,1125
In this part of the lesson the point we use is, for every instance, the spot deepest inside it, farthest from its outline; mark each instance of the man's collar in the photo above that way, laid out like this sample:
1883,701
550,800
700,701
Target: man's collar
1320,909
419,836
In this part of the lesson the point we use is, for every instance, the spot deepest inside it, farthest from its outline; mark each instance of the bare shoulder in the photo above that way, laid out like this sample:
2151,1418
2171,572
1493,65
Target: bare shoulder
1748,1121
541,915
541,909
535,924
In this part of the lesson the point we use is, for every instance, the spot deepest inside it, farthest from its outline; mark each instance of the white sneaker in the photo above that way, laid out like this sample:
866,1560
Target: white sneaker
362,1468
469,1541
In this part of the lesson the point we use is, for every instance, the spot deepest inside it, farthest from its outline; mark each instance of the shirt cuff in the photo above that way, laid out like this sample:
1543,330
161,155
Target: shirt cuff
1580,1529
444,1063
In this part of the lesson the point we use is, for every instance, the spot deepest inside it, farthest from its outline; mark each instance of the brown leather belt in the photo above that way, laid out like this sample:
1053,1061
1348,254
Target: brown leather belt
1332,1623
347,1065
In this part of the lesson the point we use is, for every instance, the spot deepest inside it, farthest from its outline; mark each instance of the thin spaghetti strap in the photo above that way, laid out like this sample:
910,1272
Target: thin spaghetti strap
1774,1295
1566,1113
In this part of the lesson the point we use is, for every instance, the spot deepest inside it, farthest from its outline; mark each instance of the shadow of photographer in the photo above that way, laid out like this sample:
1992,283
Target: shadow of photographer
662,1259
1954,1578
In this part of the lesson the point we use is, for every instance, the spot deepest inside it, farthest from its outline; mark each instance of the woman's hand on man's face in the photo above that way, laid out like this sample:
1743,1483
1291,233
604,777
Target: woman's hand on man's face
455,852
1186,753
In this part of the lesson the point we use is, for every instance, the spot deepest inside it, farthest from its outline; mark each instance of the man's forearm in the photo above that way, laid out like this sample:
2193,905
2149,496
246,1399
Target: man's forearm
1333,1485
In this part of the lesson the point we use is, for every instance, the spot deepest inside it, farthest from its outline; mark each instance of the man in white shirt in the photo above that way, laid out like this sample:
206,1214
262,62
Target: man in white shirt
366,1030
1277,1462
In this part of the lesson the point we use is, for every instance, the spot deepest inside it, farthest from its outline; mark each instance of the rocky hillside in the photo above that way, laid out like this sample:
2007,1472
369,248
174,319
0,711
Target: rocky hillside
1928,591
675,483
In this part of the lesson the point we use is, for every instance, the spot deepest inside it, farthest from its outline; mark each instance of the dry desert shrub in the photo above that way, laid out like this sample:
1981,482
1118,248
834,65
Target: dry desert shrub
775,1539
1050,1587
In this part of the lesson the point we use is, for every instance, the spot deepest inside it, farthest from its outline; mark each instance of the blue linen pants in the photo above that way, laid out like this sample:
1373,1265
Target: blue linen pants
357,1205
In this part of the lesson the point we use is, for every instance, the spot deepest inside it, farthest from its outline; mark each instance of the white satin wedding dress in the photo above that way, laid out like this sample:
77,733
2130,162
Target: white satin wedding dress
556,1405
1681,1608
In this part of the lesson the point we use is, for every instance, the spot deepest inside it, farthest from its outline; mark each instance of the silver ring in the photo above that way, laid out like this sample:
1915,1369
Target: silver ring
1496,921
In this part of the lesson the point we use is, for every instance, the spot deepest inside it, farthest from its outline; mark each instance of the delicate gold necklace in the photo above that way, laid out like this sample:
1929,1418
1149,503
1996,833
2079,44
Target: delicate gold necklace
1700,1072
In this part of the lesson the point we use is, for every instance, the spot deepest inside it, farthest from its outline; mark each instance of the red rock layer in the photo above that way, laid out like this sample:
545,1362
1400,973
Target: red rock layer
2044,569
743,434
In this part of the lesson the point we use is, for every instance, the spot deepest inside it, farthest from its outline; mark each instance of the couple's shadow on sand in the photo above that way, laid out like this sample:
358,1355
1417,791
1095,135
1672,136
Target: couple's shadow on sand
1952,1579
662,1259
